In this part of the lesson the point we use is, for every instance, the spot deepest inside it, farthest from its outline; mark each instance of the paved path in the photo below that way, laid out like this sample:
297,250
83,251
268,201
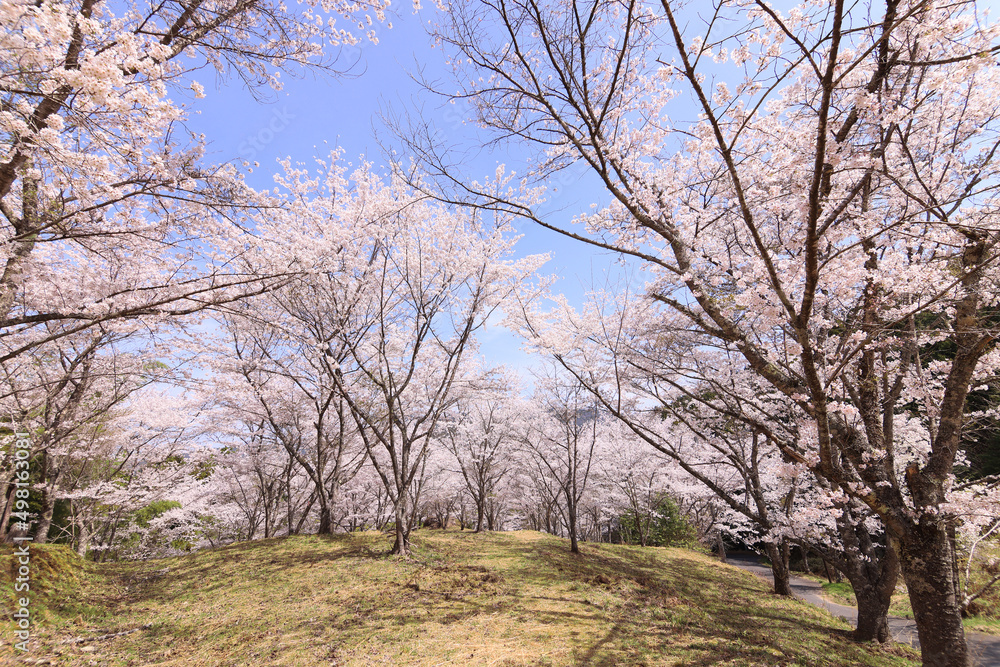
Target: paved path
985,649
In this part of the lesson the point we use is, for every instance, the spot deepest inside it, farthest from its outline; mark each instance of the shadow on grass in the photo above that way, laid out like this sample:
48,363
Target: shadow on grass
648,603
669,600
593,654
166,580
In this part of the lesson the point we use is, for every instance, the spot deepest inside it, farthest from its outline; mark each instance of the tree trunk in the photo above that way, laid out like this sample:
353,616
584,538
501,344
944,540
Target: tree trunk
325,518
480,512
7,509
720,544
873,570
41,535
873,614
574,546
778,554
82,539
953,541
829,575
926,562
267,514
401,546
297,528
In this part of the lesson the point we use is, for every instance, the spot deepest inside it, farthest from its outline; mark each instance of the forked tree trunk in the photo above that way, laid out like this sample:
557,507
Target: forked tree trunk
873,570
873,615
480,515
401,546
778,555
926,563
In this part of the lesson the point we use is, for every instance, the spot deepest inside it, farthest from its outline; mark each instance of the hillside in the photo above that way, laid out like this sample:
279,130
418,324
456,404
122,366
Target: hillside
506,599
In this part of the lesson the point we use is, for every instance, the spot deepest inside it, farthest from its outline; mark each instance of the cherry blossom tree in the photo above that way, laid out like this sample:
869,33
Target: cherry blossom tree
633,481
432,279
366,502
270,372
272,491
537,498
723,428
374,333
106,209
139,462
439,491
826,218
70,396
561,441
482,435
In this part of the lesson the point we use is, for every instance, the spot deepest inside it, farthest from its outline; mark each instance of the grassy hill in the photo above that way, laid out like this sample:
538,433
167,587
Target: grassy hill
505,599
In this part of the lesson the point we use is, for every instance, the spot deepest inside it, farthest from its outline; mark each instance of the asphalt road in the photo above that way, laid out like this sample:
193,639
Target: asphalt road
985,649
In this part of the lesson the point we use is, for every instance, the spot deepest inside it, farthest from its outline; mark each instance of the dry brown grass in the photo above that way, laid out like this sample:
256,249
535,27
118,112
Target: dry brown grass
504,599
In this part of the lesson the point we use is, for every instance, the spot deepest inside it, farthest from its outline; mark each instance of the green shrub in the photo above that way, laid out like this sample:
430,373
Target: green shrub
662,526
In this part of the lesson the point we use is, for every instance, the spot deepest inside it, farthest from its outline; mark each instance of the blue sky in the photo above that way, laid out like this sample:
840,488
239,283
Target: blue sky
315,113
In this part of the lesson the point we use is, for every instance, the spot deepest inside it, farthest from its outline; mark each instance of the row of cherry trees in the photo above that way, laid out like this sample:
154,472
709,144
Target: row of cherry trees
244,459
114,229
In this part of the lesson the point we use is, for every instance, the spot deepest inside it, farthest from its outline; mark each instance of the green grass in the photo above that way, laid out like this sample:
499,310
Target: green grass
503,599
55,580
841,592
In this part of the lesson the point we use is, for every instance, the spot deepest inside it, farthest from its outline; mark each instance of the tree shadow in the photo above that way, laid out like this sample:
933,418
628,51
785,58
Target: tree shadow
713,612
652,604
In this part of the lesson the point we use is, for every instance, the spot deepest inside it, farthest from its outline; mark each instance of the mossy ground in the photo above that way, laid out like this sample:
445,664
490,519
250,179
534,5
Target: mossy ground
502,599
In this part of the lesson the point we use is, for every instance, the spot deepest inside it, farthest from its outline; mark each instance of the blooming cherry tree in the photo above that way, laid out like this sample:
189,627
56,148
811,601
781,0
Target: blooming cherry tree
106,209
483,431
376,329
828,216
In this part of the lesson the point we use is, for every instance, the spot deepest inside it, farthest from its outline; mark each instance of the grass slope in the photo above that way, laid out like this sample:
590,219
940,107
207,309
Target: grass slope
504,599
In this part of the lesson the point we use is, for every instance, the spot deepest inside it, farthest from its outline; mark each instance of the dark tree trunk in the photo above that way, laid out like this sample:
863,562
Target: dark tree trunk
829,574
926,563
574,545
297,528
325,519
480,514
41,535
778,555
873,615
872,568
